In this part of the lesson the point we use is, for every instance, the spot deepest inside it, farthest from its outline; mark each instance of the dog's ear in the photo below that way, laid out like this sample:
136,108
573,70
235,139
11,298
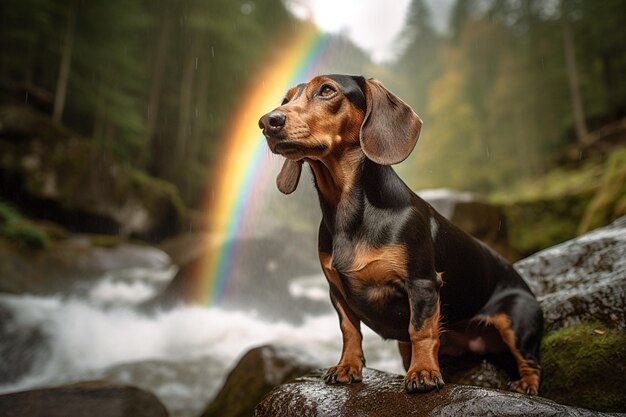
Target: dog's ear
390,128
289,176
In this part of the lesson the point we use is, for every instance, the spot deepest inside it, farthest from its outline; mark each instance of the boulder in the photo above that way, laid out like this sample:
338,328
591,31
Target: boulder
583,279
471,213
382,394
50,173
585,365
257,373
185,386
86,399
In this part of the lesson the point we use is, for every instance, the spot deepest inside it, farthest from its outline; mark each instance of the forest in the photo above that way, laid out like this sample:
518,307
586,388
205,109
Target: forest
506,91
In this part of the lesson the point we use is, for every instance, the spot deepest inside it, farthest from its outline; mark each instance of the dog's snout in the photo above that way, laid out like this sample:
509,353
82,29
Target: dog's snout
273,122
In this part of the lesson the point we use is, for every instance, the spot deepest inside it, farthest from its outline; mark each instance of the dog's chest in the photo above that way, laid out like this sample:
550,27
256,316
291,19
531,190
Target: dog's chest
370,274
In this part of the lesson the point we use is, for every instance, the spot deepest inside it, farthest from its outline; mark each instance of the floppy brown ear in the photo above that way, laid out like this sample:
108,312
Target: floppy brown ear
289,176
390,129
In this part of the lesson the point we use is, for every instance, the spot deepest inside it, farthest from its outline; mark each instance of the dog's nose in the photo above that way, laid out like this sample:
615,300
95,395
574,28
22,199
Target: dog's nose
273,122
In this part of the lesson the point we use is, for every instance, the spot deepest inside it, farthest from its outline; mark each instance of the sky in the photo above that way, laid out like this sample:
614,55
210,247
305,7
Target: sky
373,25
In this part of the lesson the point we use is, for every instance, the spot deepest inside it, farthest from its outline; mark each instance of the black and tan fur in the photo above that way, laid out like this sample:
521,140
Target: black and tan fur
391,261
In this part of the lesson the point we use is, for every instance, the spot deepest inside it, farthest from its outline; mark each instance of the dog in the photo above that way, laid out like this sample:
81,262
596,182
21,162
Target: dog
391,260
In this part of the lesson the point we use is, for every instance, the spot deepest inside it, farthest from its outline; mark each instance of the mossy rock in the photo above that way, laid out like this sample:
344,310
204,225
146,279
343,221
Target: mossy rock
538,224
609,202
257,373
20,231
585,365
53,174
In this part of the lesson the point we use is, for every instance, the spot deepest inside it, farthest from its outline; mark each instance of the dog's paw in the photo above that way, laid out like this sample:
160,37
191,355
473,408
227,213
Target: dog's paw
423,380
343,374
530,387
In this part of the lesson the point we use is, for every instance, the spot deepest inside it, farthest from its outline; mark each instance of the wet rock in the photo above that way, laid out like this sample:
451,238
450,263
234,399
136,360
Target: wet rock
69,263
184,386
256,374
382,394
50,173
483,220
86,399
583,279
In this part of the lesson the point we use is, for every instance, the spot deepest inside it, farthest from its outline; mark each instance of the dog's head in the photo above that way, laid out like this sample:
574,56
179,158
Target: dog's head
332,113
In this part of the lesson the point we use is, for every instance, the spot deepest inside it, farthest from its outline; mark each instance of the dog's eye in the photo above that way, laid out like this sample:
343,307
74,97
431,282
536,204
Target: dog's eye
327,90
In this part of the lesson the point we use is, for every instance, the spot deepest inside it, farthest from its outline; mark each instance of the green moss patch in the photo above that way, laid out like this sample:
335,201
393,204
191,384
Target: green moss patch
539,224
609,202
585,366
19,230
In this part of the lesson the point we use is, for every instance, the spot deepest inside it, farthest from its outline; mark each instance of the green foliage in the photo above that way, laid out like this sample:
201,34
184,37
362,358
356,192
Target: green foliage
609,202
20,231
153,82
538,224
494,94
585,365
156,82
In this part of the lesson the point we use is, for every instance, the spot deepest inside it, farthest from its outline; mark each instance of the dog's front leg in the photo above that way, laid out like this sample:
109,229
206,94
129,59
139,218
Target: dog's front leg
423,374
349,368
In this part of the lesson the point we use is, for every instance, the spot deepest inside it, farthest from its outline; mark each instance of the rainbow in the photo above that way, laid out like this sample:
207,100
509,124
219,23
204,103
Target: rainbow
243,165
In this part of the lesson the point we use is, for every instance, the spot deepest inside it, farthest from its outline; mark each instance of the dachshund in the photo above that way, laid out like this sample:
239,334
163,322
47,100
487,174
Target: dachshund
391,260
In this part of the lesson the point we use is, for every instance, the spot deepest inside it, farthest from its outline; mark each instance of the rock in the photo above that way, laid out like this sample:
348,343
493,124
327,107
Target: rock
257,373
382,394
50,173
185,386
473,215
86,399
583,279
70,263
585,365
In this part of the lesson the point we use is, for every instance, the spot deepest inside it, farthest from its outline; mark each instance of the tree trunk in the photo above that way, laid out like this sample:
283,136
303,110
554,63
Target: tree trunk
158,73
184,109
572,76
201,110
64,69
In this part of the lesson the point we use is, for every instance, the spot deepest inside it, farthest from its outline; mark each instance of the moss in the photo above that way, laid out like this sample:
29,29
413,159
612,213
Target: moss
609,202
585,366
558,182
539,224
106,241
20,231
